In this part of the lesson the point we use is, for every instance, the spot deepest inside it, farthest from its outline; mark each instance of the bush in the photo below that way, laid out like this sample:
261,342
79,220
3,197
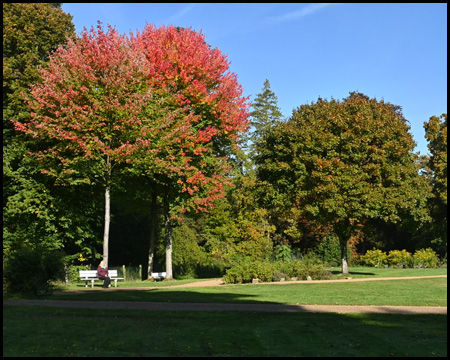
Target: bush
32,270
187,254
278,275
425,258
397,258
246,268
374,258
210,269
309,266
74,272
330,251
283,253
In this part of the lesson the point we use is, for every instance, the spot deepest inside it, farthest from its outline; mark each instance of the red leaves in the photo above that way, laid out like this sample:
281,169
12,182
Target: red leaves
157,99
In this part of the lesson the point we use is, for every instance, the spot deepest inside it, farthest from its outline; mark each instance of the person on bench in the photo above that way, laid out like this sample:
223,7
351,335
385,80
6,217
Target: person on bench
102,274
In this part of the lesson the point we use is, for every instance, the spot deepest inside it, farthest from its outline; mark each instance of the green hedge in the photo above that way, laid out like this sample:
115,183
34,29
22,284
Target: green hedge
422,258
246,269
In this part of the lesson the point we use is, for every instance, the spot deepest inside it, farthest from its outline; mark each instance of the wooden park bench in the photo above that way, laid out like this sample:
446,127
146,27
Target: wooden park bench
159,275
91,275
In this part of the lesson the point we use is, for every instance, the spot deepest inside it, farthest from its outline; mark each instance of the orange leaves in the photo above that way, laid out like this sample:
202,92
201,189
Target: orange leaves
161,100
181,57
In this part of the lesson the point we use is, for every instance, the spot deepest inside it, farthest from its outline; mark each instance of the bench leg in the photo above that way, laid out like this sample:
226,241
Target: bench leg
92,283
115,283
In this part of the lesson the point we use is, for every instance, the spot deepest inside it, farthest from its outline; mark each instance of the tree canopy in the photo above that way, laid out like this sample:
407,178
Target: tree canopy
161,102
31,31
265,113
343,162
436,164
147,133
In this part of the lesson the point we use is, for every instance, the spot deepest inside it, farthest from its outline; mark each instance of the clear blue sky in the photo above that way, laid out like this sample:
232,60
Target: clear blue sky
395,52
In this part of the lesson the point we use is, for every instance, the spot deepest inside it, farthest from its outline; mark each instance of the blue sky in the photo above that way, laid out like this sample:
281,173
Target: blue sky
395,52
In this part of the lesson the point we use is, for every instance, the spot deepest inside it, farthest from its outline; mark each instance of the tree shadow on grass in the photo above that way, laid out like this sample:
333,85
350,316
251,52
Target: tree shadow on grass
337,272
209,332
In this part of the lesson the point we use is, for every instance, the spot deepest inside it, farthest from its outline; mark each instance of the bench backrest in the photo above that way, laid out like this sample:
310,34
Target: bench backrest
93,273
159,274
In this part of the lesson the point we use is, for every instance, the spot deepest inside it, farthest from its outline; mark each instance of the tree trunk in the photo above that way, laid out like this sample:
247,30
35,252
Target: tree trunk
107,221
107,209
168,225
151,251
343,243
343,229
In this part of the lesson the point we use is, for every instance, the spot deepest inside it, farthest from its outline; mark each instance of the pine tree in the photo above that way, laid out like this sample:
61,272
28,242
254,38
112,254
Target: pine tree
265,113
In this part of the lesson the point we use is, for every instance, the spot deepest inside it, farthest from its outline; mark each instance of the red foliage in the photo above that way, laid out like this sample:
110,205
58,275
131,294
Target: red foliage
162,100
90,95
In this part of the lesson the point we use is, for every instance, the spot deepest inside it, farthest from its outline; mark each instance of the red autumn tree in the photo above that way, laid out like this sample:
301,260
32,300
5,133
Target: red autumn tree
189,148
86,108
162,102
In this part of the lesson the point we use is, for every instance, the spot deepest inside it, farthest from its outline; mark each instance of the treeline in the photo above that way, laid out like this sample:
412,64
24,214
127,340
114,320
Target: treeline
185,175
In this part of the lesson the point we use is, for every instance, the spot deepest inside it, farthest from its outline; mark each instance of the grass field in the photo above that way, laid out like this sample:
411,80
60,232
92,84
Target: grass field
43,331
40,331
418,292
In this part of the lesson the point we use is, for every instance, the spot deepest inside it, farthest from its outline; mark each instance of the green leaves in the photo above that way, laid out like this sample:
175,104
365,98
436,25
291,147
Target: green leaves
335,161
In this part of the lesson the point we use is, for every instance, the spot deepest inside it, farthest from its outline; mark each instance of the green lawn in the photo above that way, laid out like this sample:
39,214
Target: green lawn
357,272
42,331
45,331
419,292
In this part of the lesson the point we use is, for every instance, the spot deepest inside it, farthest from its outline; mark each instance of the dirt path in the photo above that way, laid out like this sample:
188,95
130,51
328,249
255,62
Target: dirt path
159,306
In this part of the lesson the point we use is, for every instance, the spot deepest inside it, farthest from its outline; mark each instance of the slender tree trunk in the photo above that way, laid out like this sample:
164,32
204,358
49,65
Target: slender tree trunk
107,210
107,221
168,225
151,251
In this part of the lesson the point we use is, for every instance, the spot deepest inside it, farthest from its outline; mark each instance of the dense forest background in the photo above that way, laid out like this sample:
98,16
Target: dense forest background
331,174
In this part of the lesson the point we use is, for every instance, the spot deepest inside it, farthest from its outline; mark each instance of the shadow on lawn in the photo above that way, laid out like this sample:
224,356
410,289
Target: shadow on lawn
183,300
162,295
221,333
337,272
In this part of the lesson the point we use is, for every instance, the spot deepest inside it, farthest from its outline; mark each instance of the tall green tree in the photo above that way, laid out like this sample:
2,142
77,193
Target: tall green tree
436,135
264,115
31,32
341,162
31,211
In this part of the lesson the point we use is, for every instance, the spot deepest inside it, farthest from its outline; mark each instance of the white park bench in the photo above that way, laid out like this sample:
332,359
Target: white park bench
91,275
159,275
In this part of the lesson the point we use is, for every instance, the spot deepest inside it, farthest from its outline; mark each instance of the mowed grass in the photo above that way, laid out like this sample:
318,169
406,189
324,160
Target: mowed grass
42,331
361,272
416,292
357,272
45,331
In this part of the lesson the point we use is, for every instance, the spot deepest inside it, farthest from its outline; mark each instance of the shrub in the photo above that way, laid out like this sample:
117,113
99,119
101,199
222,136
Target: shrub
278,275
187,254
374,258
246,268
32,270
425,258
330,251
283,253
301,269
212,268
74,272
397,258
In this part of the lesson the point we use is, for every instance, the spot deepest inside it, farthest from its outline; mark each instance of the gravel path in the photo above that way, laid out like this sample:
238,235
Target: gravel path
159,306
